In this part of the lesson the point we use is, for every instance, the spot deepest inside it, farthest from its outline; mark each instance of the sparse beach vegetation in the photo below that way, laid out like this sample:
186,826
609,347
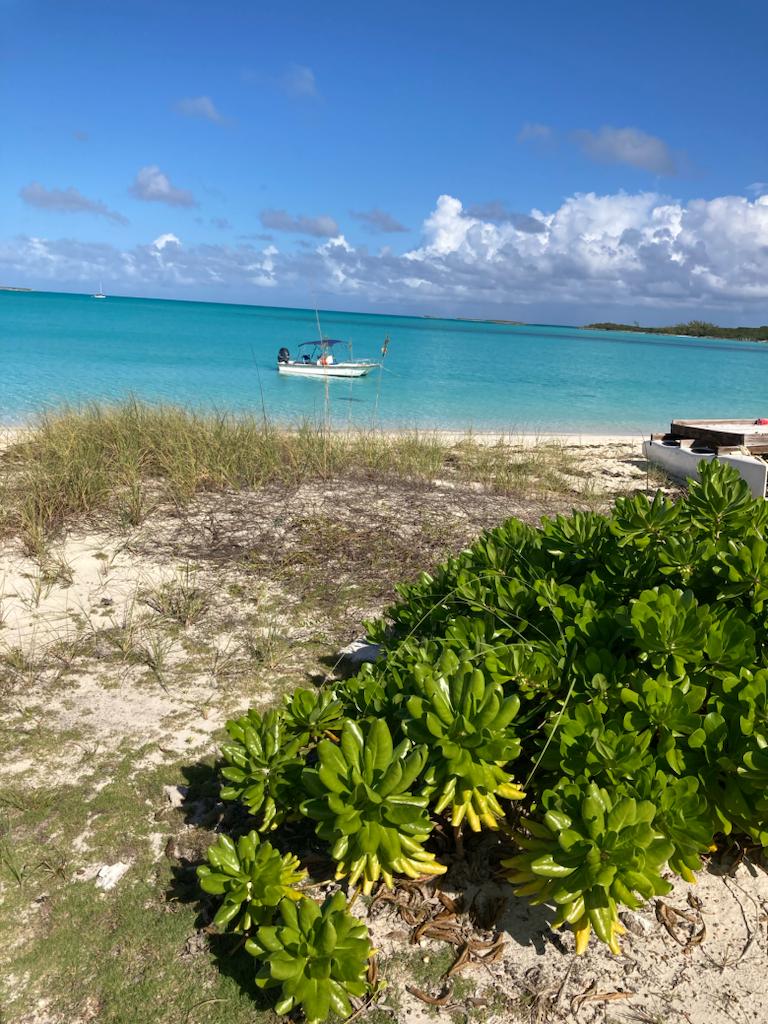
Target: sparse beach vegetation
124,459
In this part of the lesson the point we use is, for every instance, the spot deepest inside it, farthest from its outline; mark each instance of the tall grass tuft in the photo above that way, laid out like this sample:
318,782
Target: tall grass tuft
126,457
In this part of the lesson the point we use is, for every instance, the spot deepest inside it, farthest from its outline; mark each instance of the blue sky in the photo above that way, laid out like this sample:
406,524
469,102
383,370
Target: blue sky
272,152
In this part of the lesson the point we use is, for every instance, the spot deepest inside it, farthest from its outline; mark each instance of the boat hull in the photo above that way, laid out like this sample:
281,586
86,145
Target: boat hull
334,370
683,464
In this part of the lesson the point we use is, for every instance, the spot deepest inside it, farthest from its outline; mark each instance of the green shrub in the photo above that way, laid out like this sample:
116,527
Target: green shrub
463,719
618,663
360,796
262,766
635,644
317,956
252,877
311,714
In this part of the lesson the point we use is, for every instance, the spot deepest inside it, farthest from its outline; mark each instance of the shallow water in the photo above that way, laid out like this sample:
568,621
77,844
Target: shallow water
58,348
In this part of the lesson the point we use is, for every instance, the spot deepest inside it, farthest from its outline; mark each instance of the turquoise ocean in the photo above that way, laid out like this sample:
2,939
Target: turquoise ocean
68,349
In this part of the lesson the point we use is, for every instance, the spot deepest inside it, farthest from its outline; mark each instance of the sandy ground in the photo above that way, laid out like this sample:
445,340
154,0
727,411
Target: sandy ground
150,638
698,956
8,435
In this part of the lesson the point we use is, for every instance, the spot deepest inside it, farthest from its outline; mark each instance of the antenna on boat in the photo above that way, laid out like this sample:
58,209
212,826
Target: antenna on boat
317,318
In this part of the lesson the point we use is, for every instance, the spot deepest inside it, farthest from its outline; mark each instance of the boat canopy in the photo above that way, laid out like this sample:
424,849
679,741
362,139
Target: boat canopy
325,341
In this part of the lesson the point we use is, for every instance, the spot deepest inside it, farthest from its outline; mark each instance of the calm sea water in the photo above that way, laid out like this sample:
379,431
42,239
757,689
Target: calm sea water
438,373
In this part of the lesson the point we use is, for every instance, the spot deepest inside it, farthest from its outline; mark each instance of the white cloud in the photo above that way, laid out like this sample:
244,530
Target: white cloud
163,240
68,200
757,188
278,220
299,80
628,146
595,255
153,186
496,211
200,106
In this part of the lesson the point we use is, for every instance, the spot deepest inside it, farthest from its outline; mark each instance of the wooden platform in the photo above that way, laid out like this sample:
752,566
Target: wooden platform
719,436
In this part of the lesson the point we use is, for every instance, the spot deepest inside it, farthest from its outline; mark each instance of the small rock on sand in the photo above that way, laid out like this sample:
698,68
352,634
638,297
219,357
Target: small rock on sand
358,652
109,875
175,795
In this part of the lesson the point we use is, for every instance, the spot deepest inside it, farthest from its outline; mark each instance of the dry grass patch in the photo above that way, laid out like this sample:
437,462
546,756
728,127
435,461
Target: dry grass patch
127,458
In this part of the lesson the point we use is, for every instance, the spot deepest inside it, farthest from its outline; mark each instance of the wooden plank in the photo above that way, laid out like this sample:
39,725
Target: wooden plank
705,423
699,433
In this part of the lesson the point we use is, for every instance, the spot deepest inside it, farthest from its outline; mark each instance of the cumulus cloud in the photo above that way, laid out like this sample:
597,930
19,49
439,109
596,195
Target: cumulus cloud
628,146
299,80
497,212
164,265
532,131
163,240
378,221
153,186
67,200
757,188
200,106
279,220
597,253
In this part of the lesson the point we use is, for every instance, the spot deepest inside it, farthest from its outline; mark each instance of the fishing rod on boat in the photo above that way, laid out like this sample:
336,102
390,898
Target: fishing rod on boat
317,319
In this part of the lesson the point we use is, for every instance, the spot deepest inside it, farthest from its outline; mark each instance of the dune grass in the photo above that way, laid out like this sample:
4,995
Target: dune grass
128,457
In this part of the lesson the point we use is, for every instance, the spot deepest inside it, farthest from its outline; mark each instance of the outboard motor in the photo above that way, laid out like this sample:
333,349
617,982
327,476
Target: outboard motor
283,356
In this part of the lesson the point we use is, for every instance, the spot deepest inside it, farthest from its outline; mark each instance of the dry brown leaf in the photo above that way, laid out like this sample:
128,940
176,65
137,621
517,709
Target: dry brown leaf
373,972
667,915
696,939
591,996
425,997
461,961
448,903
444,932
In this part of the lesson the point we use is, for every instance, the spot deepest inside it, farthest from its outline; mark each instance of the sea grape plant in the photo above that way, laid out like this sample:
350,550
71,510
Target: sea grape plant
360,795
316,955
252,877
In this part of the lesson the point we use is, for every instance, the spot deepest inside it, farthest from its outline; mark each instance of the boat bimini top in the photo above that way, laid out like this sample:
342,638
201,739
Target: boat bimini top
312,350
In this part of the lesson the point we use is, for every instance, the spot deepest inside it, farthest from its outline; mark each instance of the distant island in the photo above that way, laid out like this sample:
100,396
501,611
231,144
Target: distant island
11,288
693,329
475,320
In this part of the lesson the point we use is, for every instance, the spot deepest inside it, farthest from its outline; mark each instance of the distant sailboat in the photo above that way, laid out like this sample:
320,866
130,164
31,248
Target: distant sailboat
100,293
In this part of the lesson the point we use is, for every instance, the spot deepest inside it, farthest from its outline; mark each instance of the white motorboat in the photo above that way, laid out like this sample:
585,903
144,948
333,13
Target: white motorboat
317,359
